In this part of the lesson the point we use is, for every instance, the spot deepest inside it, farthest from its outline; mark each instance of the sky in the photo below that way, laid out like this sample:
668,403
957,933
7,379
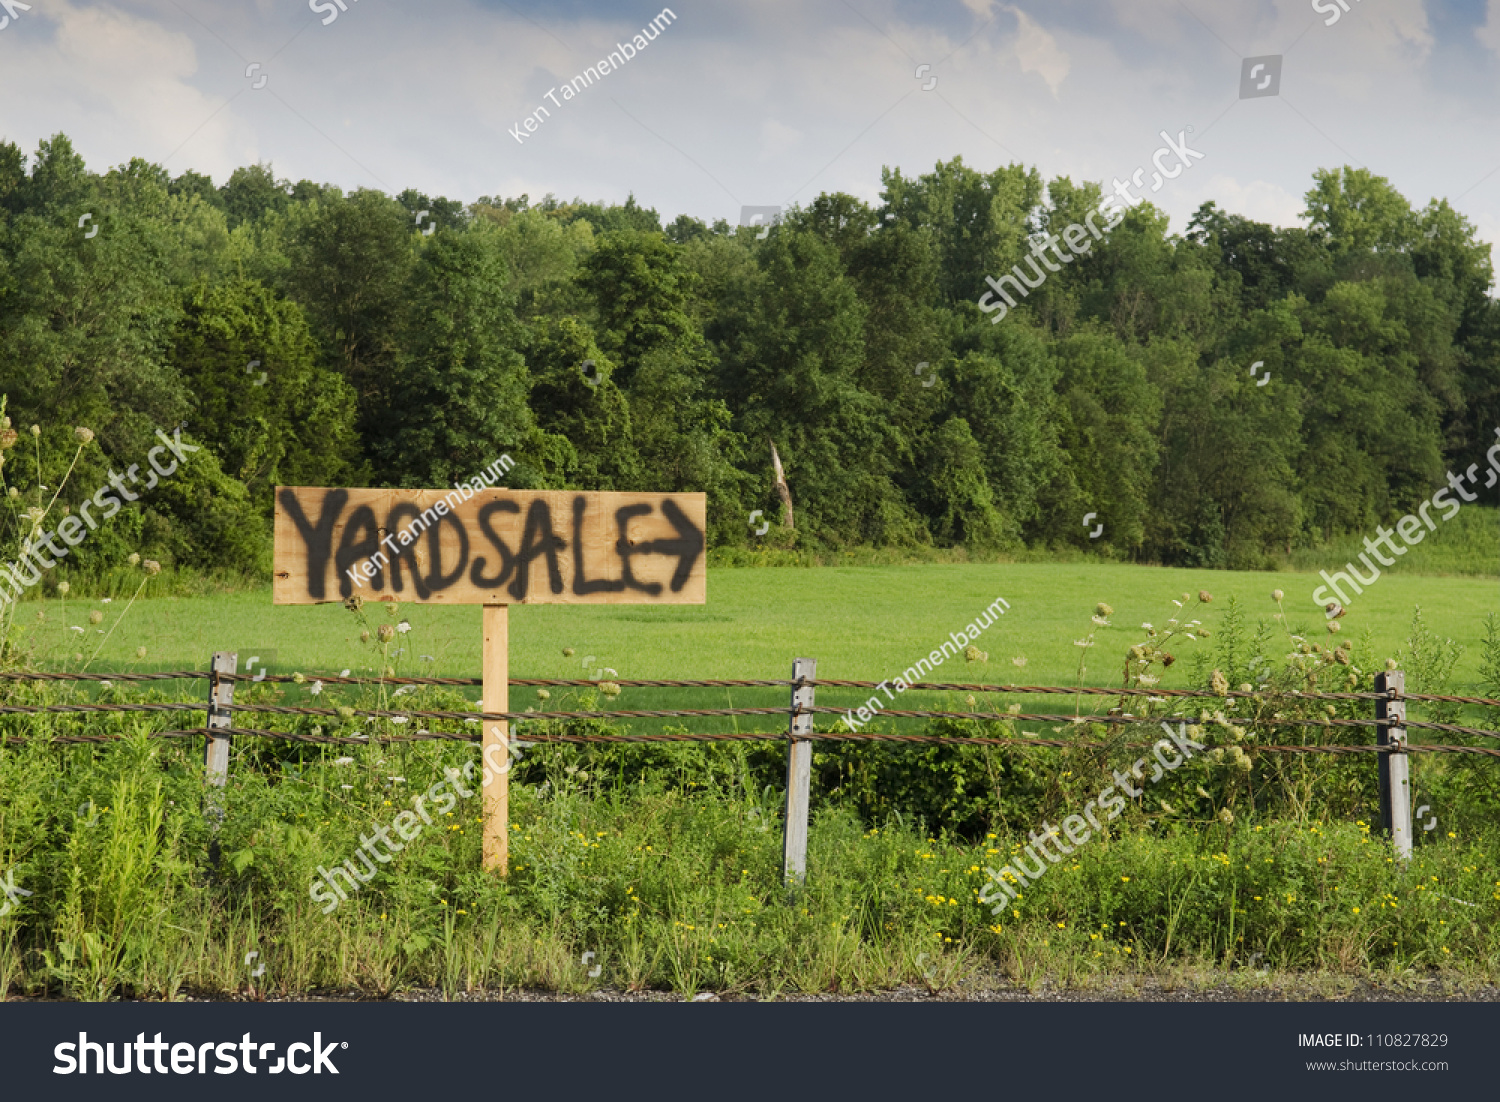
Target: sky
771,102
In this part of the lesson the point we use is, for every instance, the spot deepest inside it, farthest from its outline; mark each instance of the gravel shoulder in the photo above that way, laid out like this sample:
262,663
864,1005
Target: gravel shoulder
1185,987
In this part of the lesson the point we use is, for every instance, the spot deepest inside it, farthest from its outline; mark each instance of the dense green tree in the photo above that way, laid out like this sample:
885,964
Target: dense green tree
457,398
261,401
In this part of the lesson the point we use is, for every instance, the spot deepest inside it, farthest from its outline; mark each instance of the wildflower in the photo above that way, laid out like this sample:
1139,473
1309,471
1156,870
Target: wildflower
151,567
568,652
1390,663
1277,595
1167,659
385,633
8,438
1202,792
974,654
62,588
1333,610
354,603
1103,610
140,652
36,430
345,712
1226,816
1018,661
299,678
543,695
83,435
403,627
364,637
317,687
1205,596
1218,684
96,617
343,761
133,559
12,492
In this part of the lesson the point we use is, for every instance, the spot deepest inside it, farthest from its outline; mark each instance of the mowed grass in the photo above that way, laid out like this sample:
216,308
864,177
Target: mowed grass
866,623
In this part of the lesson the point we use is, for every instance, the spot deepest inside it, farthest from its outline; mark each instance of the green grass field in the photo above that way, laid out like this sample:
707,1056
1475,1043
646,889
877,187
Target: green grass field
858,622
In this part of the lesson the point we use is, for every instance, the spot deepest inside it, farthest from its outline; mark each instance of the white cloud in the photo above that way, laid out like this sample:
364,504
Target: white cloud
1258,200
1038,52
1489,34
777,139
119,86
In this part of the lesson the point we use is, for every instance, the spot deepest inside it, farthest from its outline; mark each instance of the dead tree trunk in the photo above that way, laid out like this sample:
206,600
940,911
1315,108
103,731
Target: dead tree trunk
782,489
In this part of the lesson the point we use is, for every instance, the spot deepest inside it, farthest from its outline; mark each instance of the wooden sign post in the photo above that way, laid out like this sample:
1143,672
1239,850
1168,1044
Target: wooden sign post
495,548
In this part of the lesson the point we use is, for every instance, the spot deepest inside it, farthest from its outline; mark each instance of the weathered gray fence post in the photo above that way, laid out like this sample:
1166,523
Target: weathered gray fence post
798,772
1395,767
216,753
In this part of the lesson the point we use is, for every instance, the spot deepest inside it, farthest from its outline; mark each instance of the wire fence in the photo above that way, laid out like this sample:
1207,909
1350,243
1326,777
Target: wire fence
1388,703
1116,717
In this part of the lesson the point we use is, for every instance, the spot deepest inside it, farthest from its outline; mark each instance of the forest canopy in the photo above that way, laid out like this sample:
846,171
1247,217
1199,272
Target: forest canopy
302,335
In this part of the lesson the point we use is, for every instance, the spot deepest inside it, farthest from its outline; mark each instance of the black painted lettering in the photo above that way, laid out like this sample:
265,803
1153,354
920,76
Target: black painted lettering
581,584
400,518
625,549
354,552
436,579
687,546
507,556
318,540
537,540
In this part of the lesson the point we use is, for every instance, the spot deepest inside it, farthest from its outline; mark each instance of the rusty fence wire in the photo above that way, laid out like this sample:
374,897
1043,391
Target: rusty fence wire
1115,717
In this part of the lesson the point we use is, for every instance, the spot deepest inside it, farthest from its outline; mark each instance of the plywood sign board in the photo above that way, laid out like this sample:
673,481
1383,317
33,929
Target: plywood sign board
495,547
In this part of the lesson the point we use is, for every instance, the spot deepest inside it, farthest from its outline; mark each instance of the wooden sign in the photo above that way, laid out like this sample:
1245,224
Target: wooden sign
494,547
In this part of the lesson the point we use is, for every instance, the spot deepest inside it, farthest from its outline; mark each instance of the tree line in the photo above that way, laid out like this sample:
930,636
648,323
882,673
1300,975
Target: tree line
307,336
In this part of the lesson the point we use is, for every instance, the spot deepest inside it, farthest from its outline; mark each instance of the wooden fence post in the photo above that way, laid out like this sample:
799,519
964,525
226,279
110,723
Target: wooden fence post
1395,777
496,837
216,752
798,772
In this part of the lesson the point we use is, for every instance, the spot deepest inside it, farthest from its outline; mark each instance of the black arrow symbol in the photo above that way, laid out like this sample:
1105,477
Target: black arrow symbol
687,547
